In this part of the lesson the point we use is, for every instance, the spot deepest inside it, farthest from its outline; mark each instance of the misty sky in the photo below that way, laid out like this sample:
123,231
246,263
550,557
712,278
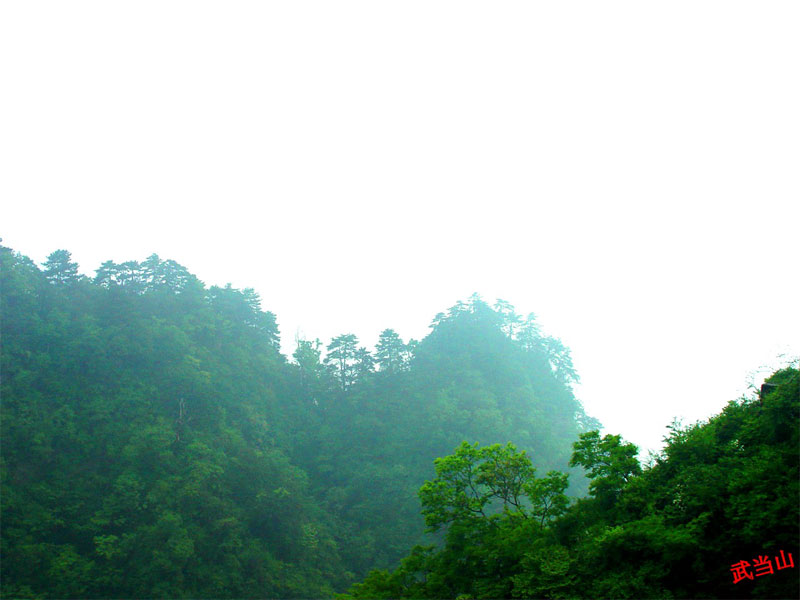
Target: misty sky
628,171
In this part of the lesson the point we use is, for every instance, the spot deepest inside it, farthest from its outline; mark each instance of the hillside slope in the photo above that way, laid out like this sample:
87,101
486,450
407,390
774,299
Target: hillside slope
155,442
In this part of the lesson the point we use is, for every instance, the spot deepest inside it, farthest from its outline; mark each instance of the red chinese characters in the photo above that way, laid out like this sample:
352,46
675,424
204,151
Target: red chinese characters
762,565
740,571
783,560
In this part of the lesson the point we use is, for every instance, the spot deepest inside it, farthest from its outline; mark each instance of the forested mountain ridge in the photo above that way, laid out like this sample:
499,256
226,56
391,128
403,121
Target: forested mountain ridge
716,515
156,443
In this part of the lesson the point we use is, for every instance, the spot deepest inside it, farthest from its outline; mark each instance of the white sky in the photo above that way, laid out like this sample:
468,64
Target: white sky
626,170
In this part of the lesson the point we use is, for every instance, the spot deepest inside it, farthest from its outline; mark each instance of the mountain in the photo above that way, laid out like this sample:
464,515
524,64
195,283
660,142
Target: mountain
156,443
715,515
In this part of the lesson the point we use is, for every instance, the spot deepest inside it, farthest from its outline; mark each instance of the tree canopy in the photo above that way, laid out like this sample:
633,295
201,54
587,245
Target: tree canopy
156,443
714,515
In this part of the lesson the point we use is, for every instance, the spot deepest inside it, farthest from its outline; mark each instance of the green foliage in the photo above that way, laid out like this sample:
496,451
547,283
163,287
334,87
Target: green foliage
468,379
720,492
391,354
493,508
60,270
344,360
139,451
611,464
490,483
157,444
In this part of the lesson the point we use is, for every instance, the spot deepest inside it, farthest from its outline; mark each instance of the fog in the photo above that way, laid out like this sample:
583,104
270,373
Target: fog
627,172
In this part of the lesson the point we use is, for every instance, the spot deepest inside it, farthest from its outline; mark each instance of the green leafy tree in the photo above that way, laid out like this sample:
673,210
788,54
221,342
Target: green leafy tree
307,356
611,463
391,354
493,508
489,483
235,307
365,363
561,361
343,360
127,276
512,322
60,270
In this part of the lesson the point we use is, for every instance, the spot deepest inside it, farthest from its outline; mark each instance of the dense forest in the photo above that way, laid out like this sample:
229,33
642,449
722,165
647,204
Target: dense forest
714,516
156,443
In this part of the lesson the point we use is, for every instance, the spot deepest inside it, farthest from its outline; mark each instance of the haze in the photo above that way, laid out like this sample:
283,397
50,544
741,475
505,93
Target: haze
626,171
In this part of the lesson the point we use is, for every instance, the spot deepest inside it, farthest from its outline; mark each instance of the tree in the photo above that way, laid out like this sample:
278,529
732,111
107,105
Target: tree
177,278
106,274
547,497
561,361
153,272
342,360
239,306
127,275
365,363
307,356
391,354
60,270
490,483
529,334
610,462
512,322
